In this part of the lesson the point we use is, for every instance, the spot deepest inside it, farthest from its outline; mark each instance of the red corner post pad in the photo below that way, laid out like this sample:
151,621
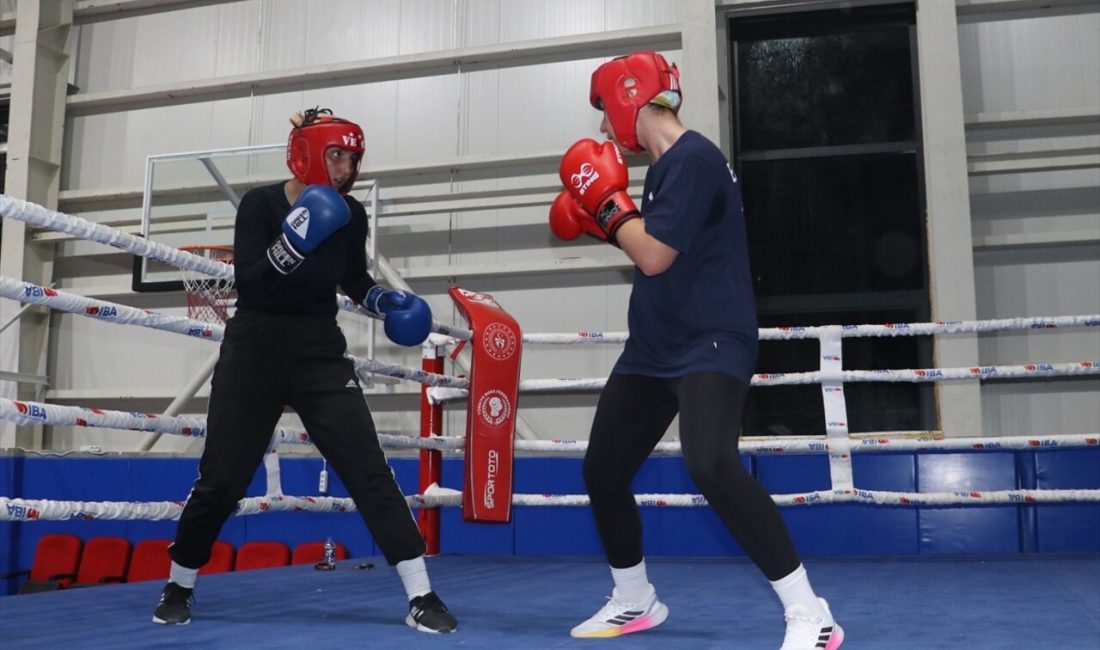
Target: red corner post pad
491,412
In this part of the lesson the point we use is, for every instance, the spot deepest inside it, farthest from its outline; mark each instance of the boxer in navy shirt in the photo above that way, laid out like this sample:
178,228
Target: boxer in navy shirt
692,346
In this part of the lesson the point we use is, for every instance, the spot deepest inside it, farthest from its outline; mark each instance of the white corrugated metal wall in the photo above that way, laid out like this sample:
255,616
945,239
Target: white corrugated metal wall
1037,234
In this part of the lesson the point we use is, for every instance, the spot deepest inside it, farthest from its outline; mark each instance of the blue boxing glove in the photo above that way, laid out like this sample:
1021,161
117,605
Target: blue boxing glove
318,212
408,319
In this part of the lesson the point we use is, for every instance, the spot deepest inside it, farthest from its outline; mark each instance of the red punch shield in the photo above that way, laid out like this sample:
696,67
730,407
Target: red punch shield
491,411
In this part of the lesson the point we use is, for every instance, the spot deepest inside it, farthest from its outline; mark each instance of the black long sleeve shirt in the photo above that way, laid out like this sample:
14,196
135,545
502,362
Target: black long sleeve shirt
310,290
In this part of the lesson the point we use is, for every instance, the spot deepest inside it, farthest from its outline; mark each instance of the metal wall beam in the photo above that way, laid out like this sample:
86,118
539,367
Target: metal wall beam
42,47
743,8
410,66
91,11
950,242
1034,118
77,201
982,8
700,80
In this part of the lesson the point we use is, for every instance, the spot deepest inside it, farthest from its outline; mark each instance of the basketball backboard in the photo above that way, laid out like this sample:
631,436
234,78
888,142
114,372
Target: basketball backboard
191,199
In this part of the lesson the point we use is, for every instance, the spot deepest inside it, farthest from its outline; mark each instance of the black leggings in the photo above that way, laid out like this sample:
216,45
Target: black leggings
633,414
268,362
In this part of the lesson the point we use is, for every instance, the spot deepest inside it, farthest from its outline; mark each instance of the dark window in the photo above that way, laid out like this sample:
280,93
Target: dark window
834,224
837,89
871,406
826,142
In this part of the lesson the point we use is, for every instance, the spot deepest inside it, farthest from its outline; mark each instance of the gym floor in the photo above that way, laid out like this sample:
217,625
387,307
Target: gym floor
505,602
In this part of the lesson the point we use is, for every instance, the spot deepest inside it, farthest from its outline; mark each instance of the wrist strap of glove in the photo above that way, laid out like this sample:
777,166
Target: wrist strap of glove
612,217
283,256
374,294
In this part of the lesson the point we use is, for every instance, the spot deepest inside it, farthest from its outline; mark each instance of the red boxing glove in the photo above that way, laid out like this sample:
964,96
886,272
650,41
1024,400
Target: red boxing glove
595,175
568,219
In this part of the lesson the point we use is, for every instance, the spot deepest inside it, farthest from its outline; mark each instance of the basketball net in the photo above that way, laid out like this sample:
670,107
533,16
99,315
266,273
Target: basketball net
208,297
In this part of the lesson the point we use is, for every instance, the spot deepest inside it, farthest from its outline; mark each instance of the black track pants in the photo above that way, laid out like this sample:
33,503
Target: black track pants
268,362
633,414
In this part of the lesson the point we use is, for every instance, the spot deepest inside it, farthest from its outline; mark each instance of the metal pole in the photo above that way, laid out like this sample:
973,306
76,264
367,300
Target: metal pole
16,316
183,398
431,460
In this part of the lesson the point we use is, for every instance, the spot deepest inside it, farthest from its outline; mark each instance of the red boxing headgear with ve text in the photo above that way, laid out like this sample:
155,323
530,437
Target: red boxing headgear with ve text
622,86
308,141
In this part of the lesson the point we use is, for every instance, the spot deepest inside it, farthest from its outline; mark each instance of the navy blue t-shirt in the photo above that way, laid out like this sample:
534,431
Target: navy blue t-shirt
700,314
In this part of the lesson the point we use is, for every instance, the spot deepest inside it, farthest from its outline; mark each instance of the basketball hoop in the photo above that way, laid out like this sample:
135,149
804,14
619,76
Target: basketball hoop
207,296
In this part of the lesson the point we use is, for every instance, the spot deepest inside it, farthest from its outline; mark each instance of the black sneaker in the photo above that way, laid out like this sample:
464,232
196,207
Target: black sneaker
427,613
175,605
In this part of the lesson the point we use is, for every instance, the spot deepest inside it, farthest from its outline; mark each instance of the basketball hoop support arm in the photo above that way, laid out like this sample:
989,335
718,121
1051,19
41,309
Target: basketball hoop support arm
186,395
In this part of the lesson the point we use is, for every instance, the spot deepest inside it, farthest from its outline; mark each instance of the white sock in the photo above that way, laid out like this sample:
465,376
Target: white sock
414,575
631,582
182,576
795,589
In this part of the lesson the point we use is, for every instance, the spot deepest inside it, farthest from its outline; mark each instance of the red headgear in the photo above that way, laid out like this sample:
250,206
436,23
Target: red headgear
317,131
622,86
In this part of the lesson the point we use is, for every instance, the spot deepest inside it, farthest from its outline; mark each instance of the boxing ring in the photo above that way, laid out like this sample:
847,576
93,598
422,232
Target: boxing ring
531,601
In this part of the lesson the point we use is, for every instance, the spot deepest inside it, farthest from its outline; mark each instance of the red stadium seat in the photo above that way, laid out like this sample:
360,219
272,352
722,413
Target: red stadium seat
262,555
56,558
314,552
222,556
104,561
150,561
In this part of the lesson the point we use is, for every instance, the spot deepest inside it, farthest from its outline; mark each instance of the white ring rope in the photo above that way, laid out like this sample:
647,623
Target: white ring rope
37,215
42,510
773,446
27,292
575,338
110,312
35,413
851,331
28,413
868,497
445,388
32,413
921,375
32,294
459,333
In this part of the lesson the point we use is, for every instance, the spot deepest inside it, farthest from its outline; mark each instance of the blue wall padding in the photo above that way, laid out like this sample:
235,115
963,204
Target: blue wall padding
992,529
537,529
11,480
460,537
1068,527
850,530
846,529
1026,479
678,530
